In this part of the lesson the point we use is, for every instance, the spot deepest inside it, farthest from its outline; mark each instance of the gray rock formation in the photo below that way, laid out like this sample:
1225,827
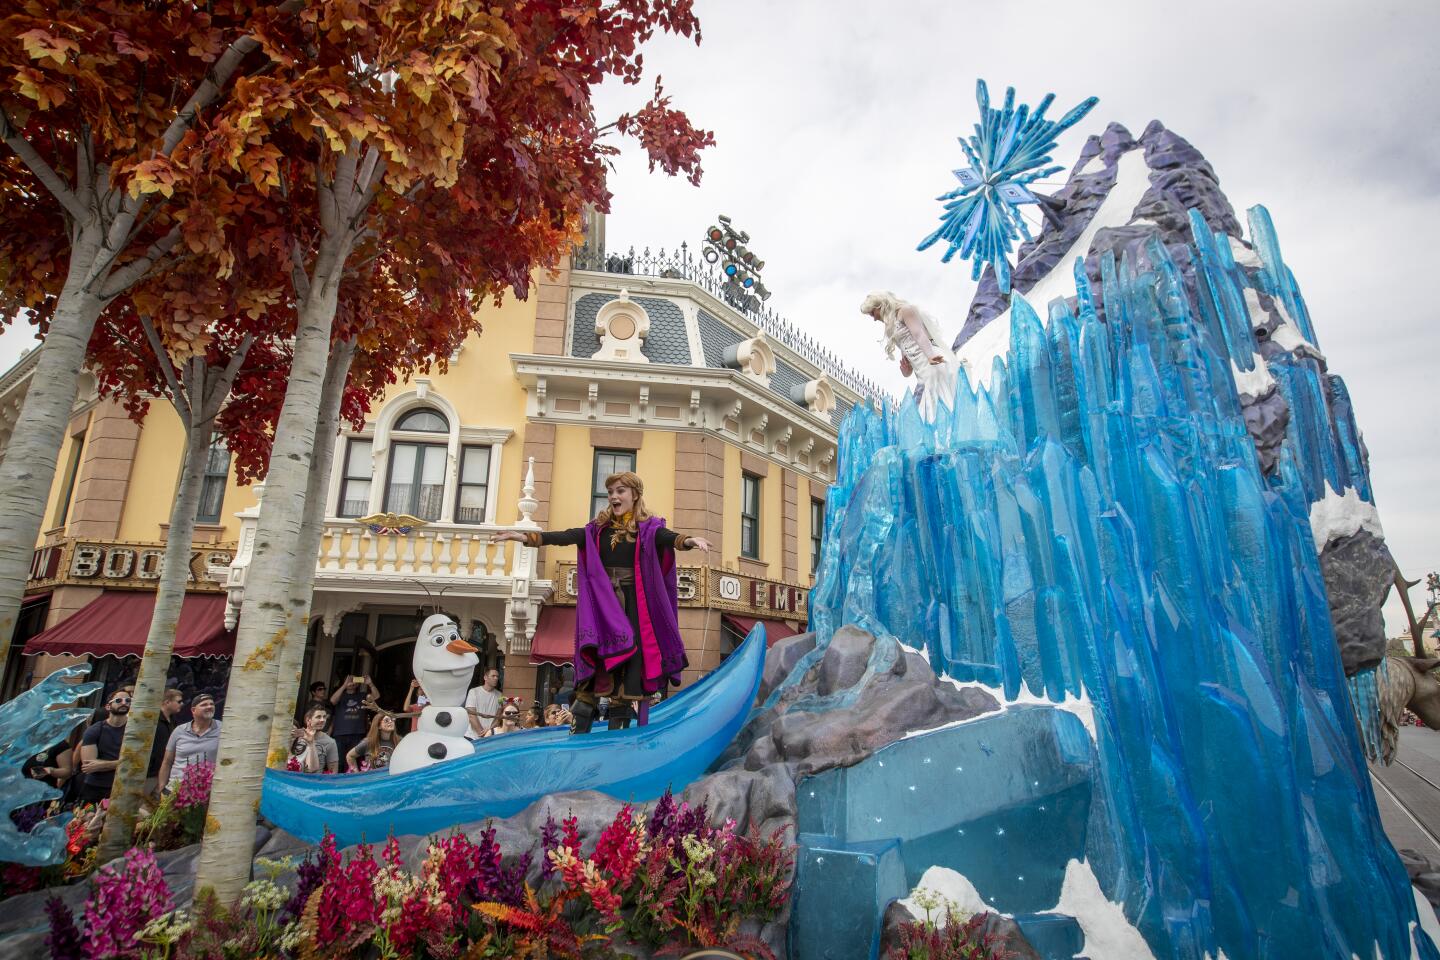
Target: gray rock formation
1358,572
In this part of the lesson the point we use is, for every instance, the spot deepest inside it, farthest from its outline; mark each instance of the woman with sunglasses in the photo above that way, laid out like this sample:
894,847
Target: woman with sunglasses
100,748
509,721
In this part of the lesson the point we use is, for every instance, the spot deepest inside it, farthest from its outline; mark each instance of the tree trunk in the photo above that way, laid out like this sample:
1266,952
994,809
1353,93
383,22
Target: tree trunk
226,853
159,644
312,529
28,470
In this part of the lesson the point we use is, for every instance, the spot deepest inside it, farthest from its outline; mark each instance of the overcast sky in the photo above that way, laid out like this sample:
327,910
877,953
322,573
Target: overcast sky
836,124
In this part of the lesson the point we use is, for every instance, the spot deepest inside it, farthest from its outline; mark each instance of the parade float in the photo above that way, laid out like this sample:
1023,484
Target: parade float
1095,645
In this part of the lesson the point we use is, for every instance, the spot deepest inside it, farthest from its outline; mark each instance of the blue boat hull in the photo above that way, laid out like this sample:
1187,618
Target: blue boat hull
507,774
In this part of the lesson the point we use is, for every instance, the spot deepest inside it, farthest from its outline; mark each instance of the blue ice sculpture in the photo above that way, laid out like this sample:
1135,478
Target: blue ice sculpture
1006,154
1094,526
30,724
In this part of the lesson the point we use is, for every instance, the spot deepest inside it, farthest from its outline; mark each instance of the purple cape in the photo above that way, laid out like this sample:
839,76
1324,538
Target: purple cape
604,636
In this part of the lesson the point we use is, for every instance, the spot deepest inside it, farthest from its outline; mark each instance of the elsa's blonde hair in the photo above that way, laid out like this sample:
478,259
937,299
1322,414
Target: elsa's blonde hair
885,307
632,480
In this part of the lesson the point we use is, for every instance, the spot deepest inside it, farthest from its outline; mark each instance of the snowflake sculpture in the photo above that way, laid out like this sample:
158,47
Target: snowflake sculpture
1006,154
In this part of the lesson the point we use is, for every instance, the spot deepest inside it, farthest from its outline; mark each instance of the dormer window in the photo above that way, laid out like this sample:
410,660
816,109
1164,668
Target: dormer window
424,420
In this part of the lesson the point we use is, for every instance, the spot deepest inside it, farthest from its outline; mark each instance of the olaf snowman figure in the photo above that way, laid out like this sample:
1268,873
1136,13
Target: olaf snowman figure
443,663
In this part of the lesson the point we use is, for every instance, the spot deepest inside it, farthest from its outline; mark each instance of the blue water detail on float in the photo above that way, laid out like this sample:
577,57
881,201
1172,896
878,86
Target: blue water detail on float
1094,522
506,774
29,725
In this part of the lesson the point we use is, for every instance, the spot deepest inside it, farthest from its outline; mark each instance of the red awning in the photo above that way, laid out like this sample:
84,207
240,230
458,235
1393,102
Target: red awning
117,622
775,630
554,636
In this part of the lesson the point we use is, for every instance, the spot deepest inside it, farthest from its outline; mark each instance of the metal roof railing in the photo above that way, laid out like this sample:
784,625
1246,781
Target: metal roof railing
681,265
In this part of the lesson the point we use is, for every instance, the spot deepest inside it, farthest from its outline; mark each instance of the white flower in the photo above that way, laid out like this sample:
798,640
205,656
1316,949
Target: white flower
698,851
264,895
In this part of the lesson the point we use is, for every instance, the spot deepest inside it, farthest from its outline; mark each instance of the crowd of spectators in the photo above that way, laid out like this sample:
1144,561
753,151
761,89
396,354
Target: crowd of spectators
340,729
83,766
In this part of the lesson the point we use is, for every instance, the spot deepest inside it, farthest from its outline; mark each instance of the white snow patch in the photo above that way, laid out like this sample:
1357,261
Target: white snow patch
1253,383
1338,515
1081,706
1287,335
1244,256
1109,935
1259,317
1428,922
955,887
1132,180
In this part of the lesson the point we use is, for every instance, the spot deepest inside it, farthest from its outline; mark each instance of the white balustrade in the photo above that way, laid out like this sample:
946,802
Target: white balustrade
348,547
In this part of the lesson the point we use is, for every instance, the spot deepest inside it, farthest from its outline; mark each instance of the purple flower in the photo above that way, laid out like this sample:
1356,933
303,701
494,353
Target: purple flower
64,937
491,877
310,875
510,889
663,816
549,840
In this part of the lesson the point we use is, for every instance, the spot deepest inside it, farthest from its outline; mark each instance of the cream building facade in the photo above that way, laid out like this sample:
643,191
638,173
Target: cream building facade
643,363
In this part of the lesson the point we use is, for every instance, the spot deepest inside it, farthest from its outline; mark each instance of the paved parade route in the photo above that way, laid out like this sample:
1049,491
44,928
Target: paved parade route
1408,792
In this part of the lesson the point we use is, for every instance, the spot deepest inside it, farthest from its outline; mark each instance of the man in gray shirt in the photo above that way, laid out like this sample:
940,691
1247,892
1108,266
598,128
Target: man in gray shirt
315,749
195,742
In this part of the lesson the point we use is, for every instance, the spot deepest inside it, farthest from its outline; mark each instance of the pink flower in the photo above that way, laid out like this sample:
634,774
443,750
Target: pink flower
349,903
194,790
618,850
123,902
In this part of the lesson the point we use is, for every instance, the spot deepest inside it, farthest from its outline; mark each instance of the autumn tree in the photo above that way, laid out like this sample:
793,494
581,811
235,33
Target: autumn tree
180,339
99,108
447,148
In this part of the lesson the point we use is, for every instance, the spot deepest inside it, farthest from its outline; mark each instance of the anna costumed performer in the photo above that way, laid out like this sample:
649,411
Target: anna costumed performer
627,629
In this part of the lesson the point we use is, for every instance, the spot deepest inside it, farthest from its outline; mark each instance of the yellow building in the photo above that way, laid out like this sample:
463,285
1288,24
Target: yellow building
727,414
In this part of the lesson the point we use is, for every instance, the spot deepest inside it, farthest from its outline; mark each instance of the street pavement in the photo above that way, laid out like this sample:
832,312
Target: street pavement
1408,792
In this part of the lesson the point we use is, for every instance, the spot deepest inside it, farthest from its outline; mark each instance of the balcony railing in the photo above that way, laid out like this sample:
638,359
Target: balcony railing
681,265
350,547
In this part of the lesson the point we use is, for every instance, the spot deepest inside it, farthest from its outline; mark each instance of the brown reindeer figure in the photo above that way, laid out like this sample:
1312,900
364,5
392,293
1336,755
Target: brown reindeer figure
1407,683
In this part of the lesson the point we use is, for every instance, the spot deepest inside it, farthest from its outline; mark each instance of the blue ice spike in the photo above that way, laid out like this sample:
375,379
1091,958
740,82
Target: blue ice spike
1007,153
1094,526
29,725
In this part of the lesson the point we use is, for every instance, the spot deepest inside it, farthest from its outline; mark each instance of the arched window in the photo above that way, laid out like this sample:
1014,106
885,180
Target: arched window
424,420
416,482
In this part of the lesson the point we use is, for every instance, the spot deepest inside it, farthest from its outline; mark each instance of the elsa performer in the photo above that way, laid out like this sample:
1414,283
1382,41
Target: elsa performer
922,348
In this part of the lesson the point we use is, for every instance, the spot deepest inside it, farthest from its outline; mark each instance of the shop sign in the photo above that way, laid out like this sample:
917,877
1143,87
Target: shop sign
727,590
140,565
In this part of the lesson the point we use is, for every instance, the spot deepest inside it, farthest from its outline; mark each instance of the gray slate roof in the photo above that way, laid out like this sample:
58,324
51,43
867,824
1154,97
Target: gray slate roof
666,343
715,336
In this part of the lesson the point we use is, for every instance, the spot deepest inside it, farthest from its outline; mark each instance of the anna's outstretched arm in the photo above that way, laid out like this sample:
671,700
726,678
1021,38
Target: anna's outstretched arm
550,538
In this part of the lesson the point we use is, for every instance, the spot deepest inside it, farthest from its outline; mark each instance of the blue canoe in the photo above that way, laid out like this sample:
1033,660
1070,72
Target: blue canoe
507,774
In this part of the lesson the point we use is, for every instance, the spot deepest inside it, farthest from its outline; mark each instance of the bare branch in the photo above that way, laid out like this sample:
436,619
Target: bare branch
220,388
205,94
368,166
130,274
298,277
214,82
162,356
101,268
53,182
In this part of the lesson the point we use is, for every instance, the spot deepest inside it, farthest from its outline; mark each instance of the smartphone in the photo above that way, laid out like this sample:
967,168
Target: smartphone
360,681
